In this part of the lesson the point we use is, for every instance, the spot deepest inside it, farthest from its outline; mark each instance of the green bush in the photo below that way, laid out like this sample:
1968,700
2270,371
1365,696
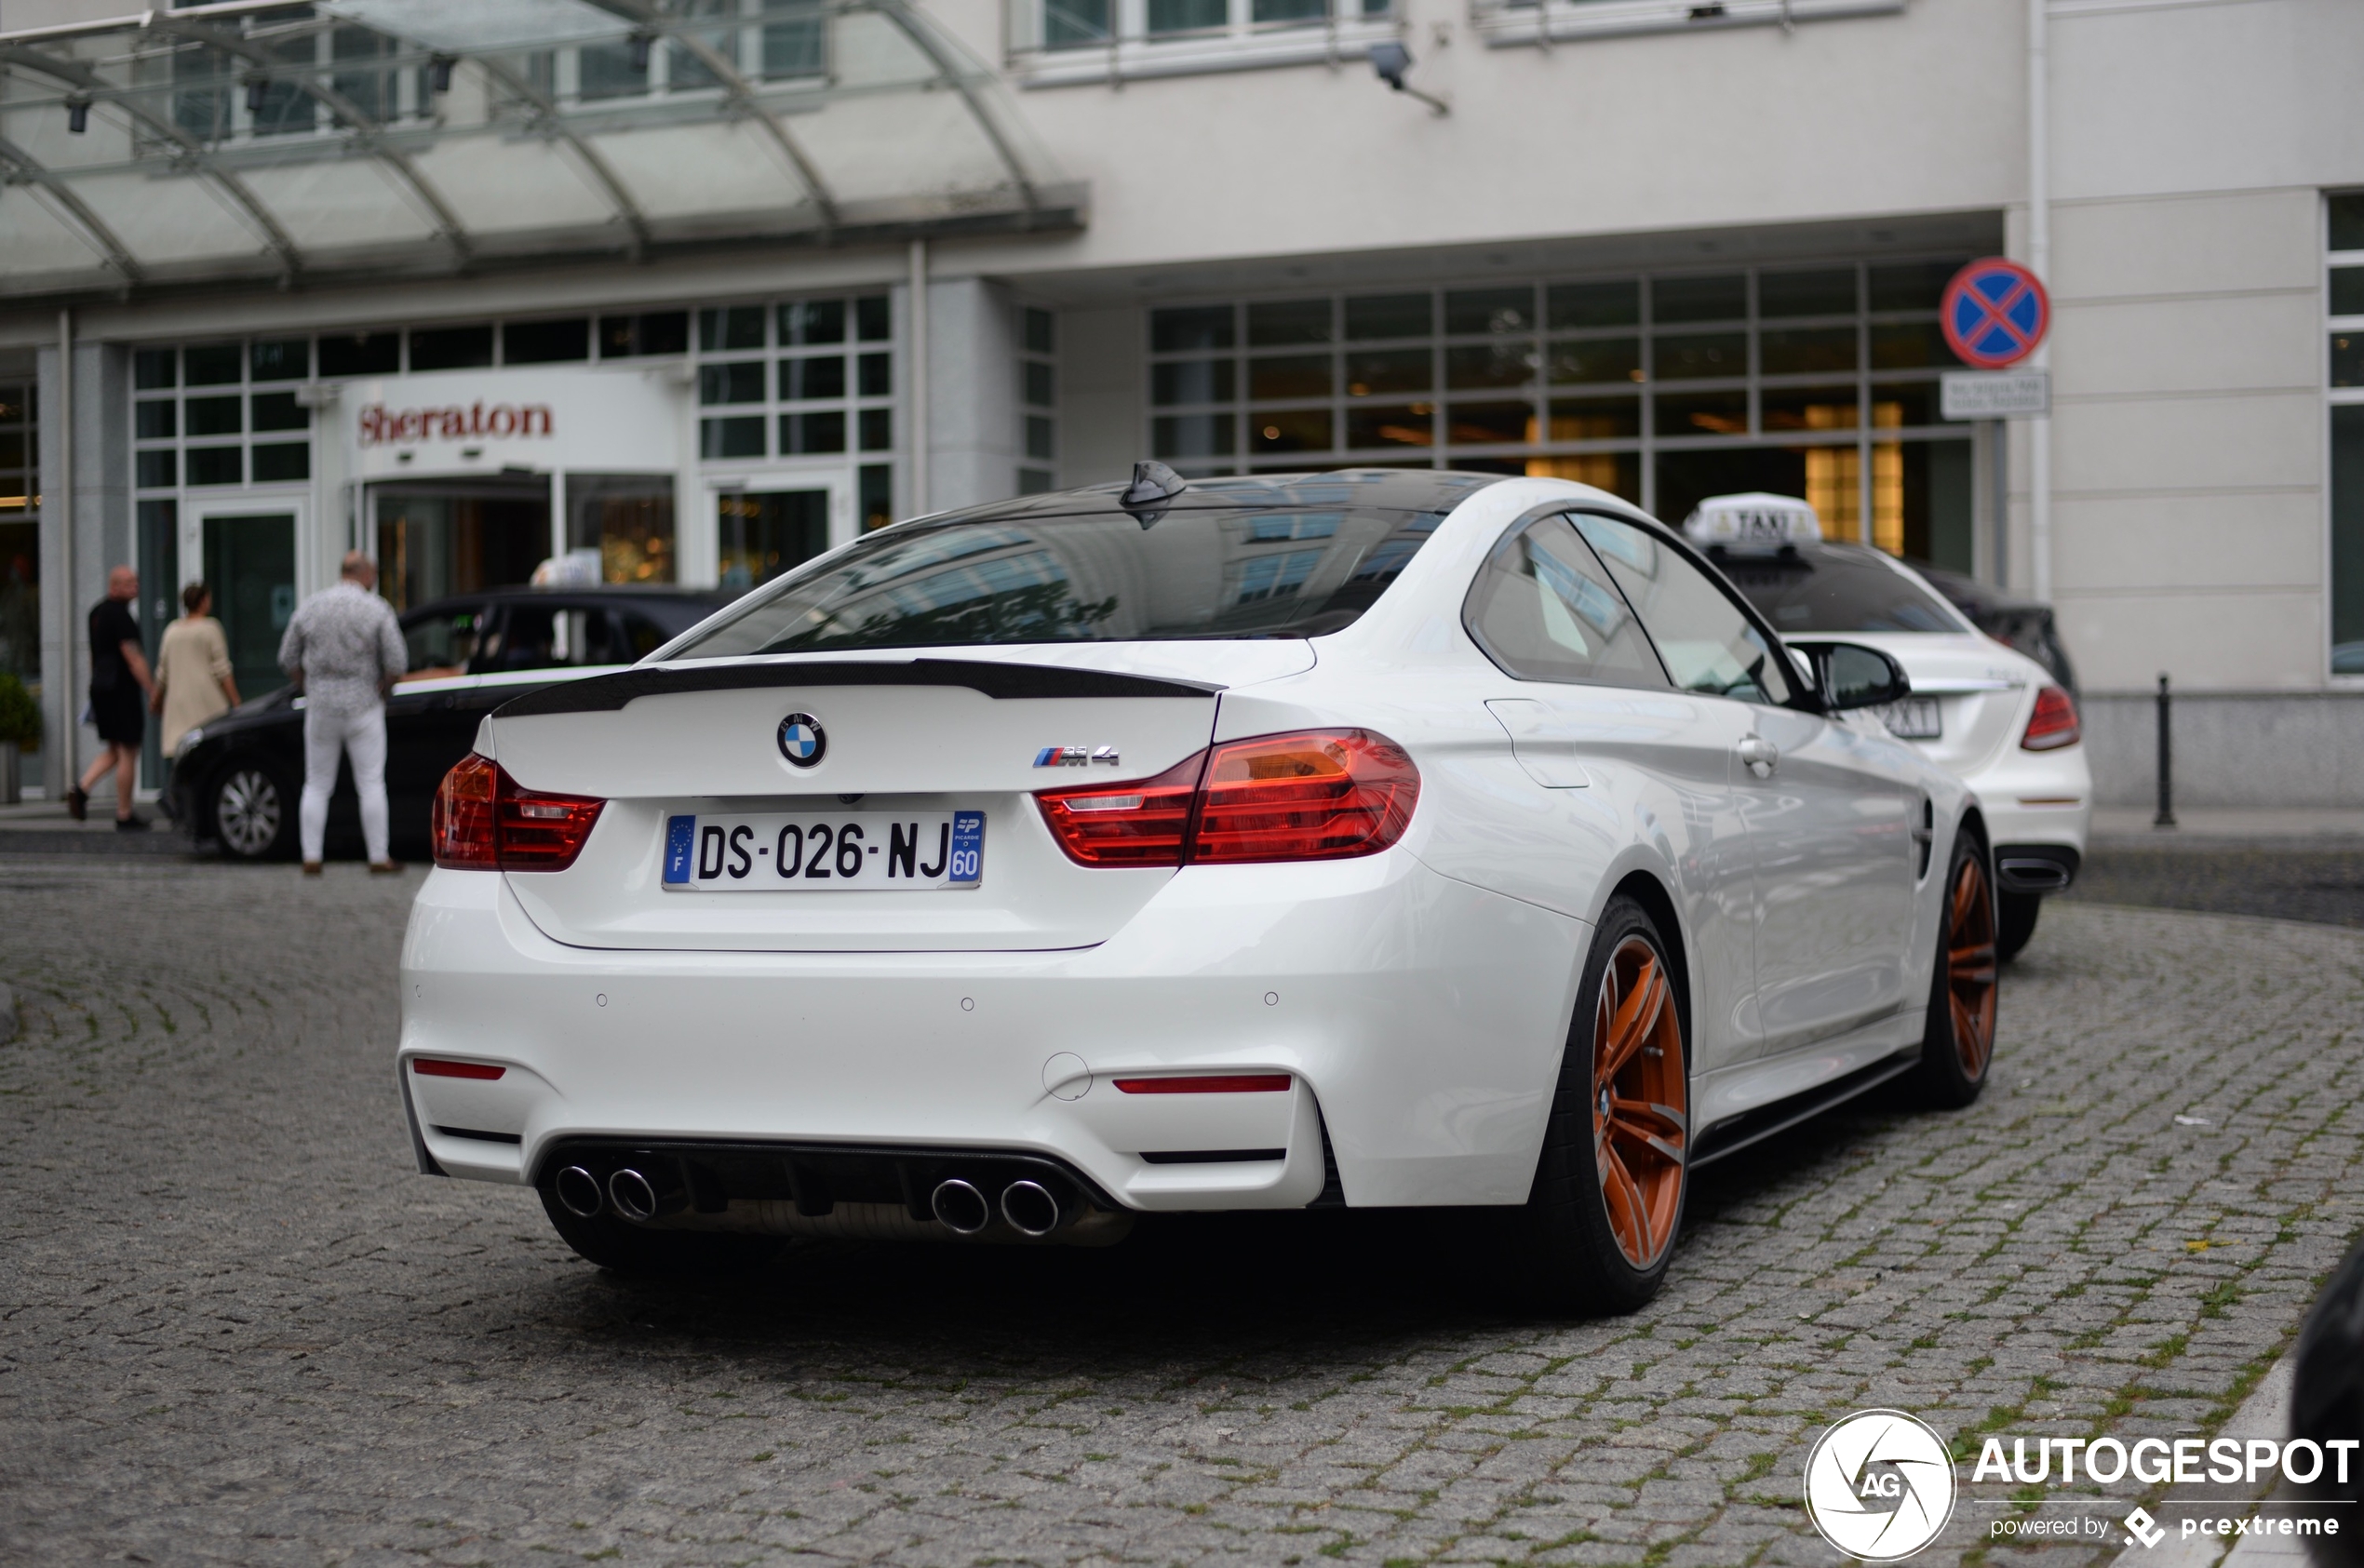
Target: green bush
19,715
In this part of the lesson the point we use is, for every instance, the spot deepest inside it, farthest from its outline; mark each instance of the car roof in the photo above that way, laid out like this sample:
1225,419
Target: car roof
1394,489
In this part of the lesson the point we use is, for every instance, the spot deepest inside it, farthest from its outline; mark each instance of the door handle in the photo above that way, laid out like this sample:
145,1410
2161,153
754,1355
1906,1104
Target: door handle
1761,755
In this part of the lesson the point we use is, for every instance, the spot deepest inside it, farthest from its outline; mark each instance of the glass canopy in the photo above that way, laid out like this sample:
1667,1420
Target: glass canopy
351,138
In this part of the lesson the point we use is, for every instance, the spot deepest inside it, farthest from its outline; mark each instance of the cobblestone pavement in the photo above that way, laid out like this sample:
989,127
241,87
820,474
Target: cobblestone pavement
233,1327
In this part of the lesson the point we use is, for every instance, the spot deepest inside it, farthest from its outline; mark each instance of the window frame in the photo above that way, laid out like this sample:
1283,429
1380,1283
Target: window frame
1240,43
1505,23
1803,698
1472,620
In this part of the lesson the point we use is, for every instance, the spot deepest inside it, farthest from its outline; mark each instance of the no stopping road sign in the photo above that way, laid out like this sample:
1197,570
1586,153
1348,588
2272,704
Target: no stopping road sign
1995,314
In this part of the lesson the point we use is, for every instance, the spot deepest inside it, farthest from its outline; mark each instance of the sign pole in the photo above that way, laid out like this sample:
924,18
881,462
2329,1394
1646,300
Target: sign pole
2039,257
1998,436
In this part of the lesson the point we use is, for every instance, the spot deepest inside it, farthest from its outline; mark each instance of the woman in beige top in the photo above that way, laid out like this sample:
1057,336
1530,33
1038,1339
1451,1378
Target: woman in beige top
193,669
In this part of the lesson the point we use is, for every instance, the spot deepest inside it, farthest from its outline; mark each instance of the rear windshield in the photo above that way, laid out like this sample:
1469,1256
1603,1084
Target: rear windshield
1838,591
1091,577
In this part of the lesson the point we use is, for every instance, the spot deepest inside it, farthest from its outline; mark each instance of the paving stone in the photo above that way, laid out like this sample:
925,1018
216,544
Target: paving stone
235,1328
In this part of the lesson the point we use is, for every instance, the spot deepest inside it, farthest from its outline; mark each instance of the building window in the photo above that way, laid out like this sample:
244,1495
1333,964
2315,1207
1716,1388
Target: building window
218,416
2343,366
1813,381
626,518
21,530
1038,400
1054,42
802,378
764,533
1503,22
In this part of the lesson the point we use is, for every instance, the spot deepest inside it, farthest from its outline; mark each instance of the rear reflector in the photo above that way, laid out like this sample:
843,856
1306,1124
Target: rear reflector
2053,724
484,822
428,1066
1240,1083
1320,795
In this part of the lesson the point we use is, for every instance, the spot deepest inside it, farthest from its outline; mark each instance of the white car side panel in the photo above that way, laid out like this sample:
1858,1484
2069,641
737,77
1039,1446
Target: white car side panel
1836,862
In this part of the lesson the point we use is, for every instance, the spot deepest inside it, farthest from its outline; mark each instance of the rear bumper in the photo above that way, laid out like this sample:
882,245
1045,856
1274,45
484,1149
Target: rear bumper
2038,806
1420,1018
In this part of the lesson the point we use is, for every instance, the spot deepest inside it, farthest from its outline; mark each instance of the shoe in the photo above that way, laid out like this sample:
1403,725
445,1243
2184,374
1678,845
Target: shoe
312,868
131,825
77,803
385,868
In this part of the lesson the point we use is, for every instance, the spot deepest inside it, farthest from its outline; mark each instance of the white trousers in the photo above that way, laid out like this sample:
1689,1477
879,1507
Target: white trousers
359,733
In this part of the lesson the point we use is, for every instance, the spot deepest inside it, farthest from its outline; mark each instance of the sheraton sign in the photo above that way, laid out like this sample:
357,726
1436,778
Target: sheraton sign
382,426
540,419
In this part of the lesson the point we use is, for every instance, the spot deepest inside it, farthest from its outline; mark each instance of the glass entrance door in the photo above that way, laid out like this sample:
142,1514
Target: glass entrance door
250,563
440,538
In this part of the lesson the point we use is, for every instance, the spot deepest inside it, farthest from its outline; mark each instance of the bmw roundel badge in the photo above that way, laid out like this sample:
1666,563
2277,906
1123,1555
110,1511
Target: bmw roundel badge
802,741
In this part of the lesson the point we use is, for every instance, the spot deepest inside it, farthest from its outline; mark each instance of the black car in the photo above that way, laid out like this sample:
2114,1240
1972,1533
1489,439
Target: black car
2022,623
237,782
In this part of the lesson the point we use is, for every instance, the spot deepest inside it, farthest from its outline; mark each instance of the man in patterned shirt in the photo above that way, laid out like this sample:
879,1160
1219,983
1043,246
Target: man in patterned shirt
343,650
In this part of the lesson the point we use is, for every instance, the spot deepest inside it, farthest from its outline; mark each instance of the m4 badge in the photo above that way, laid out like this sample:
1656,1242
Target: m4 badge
1076,757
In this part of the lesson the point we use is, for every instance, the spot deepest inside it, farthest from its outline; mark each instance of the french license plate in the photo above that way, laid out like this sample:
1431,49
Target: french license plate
1915,719
873,852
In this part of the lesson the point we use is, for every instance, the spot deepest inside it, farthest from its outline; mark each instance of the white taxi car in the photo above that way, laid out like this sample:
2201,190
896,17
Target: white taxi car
1981,709
1364,837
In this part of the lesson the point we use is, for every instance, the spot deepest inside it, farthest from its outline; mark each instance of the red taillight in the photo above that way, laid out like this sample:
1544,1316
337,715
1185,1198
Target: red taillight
1321,795
462,825
2053,725
1238,1083
483,822
1139,824
427,1066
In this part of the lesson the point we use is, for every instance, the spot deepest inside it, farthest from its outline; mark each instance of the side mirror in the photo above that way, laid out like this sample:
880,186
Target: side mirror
1850,676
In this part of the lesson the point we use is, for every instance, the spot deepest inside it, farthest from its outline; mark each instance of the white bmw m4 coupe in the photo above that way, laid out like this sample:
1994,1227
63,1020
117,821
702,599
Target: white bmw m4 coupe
1356,839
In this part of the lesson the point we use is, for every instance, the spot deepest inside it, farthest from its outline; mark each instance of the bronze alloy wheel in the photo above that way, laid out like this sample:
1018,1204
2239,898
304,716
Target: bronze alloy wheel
1970,966
1641,1101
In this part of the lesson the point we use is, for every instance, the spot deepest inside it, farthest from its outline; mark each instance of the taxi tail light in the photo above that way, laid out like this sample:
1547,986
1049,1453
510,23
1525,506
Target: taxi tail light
1317,795
485,822
2053,724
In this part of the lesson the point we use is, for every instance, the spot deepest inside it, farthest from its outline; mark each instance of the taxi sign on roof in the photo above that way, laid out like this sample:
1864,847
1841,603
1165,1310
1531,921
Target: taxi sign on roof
1995,314
1753,520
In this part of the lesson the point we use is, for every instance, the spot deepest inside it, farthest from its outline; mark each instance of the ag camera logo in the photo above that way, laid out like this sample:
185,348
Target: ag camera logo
1879,1485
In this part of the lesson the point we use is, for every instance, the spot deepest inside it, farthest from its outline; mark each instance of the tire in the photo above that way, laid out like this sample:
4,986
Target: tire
252,809
624,1248
2014,923
1958,1045
1601,1222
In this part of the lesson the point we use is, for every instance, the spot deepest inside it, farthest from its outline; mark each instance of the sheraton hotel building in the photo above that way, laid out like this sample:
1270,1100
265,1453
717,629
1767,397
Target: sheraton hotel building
693,288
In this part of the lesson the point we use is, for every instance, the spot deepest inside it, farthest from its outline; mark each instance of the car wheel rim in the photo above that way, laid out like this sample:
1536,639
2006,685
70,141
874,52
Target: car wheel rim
1970,968
1641,1116
248,811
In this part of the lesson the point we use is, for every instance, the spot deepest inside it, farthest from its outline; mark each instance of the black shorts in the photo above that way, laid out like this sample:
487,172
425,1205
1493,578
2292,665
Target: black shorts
122,715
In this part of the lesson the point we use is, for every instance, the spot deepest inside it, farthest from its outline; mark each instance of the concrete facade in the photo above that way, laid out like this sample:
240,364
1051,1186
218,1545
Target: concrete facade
2193,145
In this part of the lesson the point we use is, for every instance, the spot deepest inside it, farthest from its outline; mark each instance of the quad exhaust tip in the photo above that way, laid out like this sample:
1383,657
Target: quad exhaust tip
634,1195
960,1207
578,1193
1030,1208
